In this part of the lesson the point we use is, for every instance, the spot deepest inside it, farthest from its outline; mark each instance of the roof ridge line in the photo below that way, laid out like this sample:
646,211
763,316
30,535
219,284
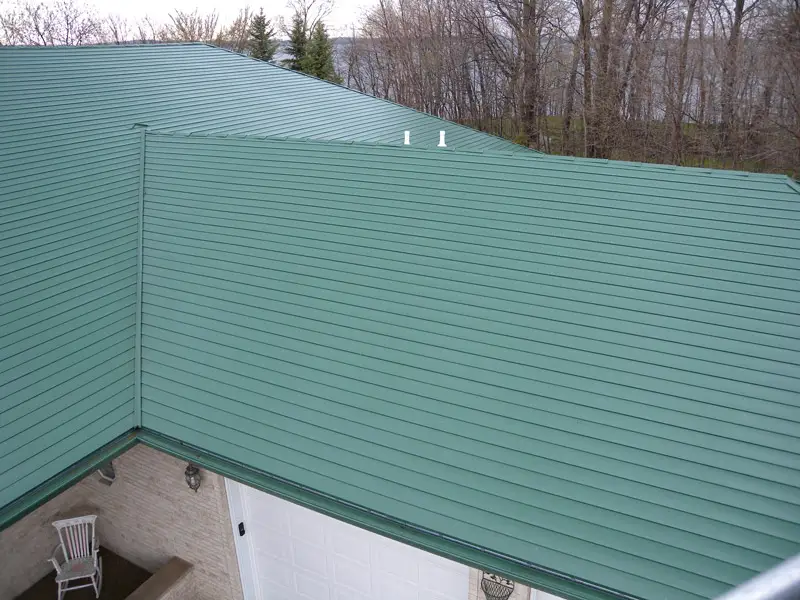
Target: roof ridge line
349,143
442,119
102,45
721,175
672,168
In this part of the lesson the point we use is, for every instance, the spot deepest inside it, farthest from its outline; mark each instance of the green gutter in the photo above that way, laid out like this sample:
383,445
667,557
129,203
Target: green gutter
51,488
137,362
480,558
407,533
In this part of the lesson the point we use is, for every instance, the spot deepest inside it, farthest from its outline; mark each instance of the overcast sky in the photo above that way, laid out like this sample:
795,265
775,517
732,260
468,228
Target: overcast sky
345,12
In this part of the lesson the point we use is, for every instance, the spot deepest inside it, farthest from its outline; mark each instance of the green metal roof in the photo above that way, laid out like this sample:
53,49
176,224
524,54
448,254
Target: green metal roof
69,200
543,364
586,366
196,88
68,256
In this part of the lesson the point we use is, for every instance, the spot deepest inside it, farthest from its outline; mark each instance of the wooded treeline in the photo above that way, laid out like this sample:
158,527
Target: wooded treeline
67,22
698,82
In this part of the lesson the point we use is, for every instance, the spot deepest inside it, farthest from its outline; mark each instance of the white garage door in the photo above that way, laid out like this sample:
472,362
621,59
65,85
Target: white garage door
291,553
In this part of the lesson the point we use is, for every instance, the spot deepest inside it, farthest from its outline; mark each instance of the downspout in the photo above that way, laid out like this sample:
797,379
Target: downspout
137,361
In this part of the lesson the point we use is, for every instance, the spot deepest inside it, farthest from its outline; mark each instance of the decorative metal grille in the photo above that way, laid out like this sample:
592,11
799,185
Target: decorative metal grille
495,587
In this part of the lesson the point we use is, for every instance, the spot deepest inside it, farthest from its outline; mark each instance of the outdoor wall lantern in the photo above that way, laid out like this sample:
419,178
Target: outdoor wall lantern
495,587
192,475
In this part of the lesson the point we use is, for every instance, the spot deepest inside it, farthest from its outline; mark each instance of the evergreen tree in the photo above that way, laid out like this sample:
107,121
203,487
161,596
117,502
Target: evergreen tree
298,42
318,59
261,38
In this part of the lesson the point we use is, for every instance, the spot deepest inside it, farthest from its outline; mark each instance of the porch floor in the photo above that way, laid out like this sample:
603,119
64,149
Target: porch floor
120,579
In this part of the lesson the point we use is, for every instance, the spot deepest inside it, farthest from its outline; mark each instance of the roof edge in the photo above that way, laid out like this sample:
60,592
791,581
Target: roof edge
794,185
518,570
543,160
173,133
520,148
33,499
539,577
90,46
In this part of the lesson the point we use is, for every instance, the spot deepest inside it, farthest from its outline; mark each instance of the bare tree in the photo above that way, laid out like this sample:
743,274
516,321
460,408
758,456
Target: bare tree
191,27
148,31
711,82
311,12
677,100
62,23
731,20
117,29
697,82
234,36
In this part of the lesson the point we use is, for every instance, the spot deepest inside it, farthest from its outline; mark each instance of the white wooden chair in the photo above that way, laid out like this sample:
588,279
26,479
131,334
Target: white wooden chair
78,544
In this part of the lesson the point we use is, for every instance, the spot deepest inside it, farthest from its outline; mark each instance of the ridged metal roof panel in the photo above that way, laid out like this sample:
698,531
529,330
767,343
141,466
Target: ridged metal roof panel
196,88
68,254
583,366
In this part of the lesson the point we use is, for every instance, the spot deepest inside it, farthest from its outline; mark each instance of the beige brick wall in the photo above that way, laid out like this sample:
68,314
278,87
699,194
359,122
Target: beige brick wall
28,543
148,515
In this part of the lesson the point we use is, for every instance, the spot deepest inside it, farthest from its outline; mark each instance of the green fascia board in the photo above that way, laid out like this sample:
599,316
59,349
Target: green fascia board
407,533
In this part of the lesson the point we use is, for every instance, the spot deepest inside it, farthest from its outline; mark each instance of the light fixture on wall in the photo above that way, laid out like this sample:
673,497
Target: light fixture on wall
192,475
495,587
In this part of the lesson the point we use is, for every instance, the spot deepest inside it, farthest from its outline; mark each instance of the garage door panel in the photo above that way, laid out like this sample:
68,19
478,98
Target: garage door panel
307,526
429,595
292,553
266,513
397,560
312,588
277,582
346,594
310,558
352,575
355,548
272,547
389,588
435,578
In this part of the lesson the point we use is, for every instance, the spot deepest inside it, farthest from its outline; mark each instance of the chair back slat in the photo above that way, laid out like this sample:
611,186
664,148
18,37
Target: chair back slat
76,536
70,535
78,529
